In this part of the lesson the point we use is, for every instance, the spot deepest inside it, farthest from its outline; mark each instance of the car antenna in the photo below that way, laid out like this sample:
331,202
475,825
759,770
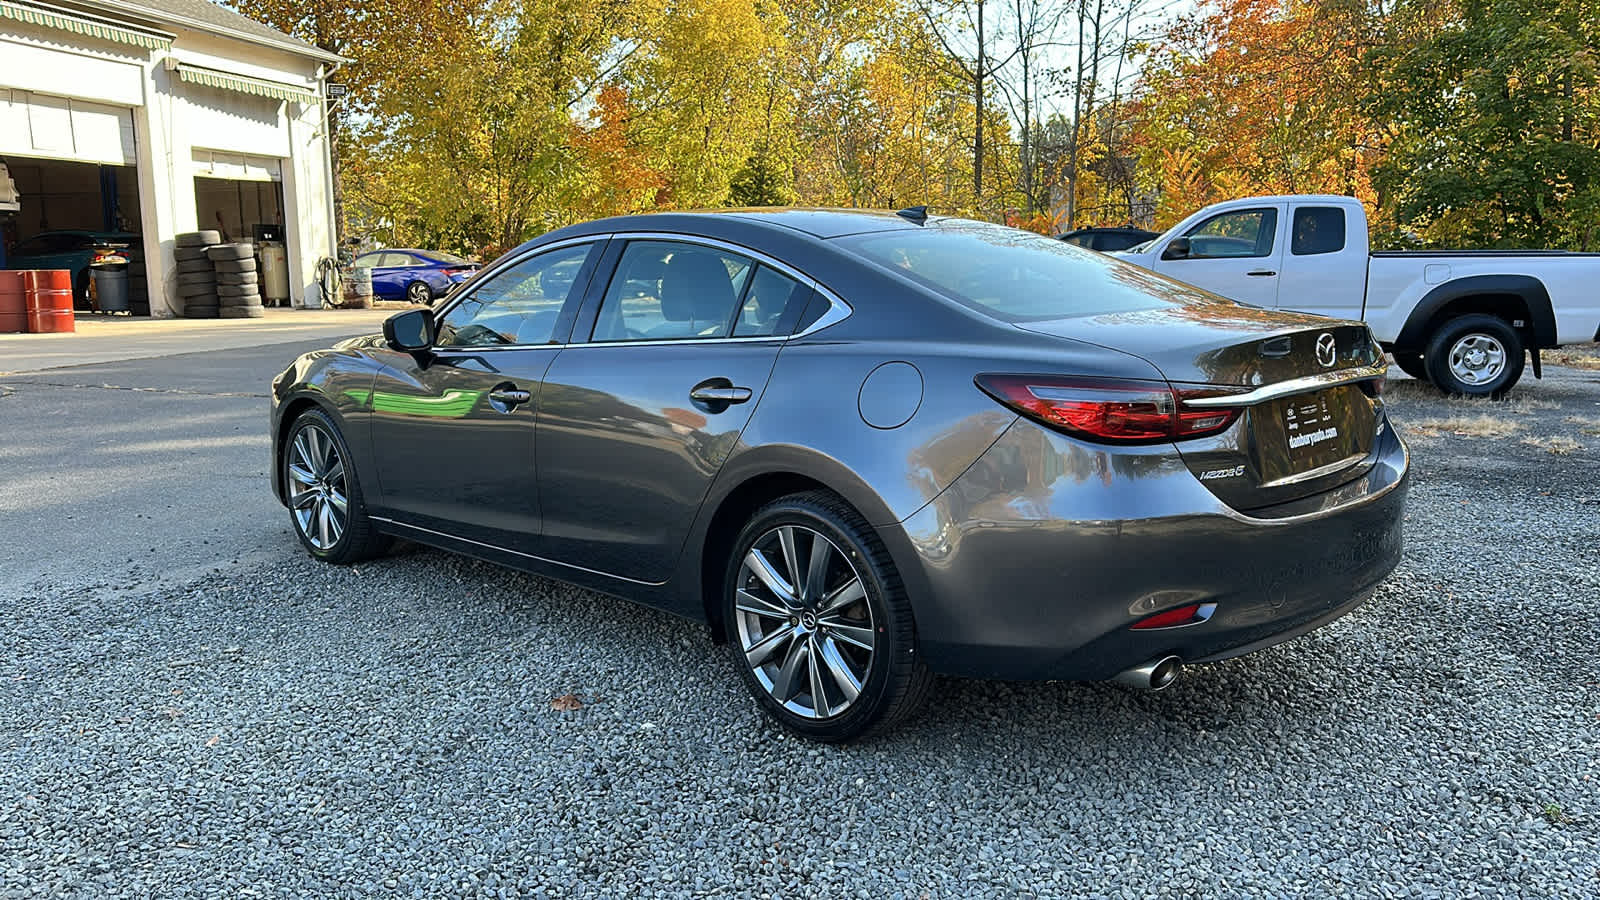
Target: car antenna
917,214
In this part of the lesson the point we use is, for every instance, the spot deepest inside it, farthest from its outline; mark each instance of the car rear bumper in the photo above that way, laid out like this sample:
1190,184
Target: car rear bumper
1037,561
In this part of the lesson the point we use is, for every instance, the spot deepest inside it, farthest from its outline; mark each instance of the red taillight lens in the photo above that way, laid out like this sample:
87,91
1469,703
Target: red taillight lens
1107,409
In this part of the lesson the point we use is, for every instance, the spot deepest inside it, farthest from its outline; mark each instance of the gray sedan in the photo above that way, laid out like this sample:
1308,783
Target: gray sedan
866,448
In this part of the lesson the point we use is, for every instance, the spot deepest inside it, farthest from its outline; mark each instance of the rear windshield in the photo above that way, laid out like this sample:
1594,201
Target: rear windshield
1015,275
449,259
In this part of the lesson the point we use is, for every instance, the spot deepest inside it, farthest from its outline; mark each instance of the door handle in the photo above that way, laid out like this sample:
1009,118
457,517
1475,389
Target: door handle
720,394
507,399
1262,273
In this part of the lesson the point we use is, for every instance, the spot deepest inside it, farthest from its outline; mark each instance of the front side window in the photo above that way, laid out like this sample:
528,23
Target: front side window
517,305
1317,229
1237,234
666,290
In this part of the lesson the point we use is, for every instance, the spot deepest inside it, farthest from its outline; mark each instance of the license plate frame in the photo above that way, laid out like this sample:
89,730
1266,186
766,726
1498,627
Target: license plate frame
1305,433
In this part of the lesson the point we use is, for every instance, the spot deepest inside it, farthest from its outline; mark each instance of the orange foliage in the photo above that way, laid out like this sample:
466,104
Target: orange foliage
1258,97
620,182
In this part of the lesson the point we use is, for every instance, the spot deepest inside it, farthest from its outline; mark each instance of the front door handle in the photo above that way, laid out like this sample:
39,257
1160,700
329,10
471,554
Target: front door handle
507,398
1262,273
720,394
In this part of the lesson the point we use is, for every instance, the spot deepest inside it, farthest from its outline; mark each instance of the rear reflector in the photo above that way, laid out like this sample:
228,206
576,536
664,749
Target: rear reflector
1192,614
1109,410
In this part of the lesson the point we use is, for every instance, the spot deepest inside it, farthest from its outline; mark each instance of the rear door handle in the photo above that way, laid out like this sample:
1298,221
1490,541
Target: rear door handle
720,394
1262,273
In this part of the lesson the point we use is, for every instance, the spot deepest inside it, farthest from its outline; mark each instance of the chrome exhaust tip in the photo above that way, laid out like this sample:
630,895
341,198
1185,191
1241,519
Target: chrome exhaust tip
1153,675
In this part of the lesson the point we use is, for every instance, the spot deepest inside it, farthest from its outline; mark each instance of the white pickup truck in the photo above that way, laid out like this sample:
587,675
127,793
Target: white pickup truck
1463,319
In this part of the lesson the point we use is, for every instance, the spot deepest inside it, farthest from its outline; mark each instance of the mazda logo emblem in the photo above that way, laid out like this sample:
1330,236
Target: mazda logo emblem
1327,349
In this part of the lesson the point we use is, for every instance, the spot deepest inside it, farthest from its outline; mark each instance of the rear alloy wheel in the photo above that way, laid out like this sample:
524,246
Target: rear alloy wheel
324,497
822,630
1475,356
419,292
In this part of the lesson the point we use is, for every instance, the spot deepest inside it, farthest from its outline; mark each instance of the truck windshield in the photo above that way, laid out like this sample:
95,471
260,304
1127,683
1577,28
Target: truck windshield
1015,275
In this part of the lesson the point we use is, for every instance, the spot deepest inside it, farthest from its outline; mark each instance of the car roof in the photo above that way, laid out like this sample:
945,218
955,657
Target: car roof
815,222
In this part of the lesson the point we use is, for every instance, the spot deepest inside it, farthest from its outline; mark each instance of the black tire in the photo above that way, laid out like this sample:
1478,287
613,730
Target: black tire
244,300
238,290
1411,364
1452,349
202,289
223,252
253,311
190,254
206,277
235,265
419,292
195,267
896,682
191,311
197,239
236,278
358,539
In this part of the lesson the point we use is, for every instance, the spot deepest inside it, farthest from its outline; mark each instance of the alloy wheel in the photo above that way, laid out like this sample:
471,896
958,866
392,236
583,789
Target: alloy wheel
1477,359
318,496
420,293
804,621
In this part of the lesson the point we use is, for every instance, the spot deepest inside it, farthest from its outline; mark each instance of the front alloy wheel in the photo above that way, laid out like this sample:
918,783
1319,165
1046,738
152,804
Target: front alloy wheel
317,492
819,621
324,495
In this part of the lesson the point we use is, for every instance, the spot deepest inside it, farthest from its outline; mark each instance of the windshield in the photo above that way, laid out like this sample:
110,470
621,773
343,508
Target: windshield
1017,276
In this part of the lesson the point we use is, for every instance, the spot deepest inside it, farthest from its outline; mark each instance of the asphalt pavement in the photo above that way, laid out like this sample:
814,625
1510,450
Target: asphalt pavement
190,706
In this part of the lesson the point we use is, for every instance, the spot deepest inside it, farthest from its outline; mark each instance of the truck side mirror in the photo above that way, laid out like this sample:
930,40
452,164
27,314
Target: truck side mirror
1178,248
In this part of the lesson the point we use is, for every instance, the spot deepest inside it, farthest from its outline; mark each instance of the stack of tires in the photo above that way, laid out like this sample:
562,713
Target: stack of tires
197,281
238,290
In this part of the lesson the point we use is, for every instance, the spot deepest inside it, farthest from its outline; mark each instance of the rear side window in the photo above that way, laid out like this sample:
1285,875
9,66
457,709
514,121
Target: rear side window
1015,275
666,290
1317,229
771,305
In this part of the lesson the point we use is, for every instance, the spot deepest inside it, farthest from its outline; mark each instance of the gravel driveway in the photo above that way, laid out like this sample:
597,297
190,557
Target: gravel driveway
256,724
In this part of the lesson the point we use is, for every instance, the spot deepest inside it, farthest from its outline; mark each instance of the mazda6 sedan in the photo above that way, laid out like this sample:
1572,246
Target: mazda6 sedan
866,448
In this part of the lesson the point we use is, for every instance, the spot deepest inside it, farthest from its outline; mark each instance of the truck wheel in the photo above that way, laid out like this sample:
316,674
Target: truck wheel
1411,364
1475,356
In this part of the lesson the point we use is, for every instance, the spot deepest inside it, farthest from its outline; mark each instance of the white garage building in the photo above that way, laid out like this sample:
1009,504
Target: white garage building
157,117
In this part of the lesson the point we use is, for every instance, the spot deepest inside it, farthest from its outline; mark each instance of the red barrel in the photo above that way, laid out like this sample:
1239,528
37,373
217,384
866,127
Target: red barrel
13,303
48,294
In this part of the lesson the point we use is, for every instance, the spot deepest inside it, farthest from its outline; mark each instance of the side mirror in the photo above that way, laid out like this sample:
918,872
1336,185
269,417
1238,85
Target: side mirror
1178,248
410,331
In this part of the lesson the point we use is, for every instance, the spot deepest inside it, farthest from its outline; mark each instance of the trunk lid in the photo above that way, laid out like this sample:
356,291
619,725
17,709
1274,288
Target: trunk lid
1307,422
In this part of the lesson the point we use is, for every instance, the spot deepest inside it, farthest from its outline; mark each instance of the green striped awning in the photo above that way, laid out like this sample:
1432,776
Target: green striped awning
51,18
244,85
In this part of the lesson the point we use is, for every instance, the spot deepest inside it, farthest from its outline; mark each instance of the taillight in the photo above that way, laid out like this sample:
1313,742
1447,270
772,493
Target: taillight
1111,410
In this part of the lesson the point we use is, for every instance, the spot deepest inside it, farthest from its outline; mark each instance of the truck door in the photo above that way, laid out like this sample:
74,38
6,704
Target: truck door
1325,270
1234,253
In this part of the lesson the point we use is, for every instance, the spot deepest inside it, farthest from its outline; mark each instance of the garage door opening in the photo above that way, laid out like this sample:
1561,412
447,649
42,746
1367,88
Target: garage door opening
236,208
68,210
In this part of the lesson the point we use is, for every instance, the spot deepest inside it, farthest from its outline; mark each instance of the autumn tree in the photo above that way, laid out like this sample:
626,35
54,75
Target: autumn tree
1499,123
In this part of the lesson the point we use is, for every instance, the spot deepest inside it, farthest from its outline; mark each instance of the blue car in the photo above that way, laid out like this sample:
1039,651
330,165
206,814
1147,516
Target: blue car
415,275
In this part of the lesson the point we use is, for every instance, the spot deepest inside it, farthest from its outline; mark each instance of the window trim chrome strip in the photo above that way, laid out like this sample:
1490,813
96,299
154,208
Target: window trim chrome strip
1289,388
